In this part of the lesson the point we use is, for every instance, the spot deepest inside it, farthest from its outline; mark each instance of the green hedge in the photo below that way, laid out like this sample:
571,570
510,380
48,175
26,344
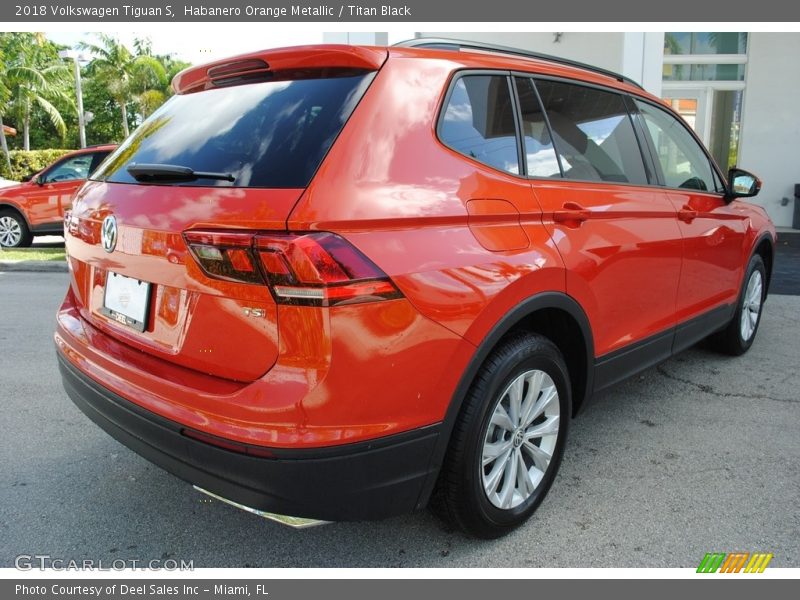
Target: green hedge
28,162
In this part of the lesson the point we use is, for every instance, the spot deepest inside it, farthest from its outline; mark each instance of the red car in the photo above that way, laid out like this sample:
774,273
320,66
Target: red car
36,206
340,282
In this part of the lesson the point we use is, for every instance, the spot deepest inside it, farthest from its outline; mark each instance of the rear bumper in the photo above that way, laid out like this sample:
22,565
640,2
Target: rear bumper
367,480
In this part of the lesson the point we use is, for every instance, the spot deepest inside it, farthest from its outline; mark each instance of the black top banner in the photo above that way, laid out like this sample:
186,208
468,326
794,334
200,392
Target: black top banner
49,11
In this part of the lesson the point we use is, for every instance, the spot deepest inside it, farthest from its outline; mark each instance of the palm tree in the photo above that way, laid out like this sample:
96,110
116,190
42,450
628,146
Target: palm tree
34,80
124,74
38,87
5,96
148,82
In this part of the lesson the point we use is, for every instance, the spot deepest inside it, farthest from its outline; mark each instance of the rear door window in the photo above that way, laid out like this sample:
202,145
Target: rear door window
479,121
271,134
593,133
540,155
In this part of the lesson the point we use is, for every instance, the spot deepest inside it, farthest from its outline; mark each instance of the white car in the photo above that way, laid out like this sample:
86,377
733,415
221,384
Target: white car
7,182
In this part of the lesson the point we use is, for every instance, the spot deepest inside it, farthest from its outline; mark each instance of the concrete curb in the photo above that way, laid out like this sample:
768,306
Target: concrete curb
34,266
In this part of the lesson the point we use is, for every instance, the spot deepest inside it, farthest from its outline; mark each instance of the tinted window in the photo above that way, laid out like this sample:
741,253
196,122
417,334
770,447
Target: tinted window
71,169
272,134
479,121
593,133
683,162
97,158
540,154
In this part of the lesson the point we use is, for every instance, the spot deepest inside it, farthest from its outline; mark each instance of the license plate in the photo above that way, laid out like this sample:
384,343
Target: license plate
126,300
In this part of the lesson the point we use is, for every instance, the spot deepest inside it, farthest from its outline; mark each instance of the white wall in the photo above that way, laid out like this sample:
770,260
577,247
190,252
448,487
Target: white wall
635,54
643,59
600,49
364,38
770,139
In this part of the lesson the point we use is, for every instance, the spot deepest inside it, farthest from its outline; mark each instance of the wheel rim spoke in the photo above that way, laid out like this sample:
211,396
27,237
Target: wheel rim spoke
515,400
501,419
524,483
493,479
492,451
531,397
506,494
548,427
541,458
548,395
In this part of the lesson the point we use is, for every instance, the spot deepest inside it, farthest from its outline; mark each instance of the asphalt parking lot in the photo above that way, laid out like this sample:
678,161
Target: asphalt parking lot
699,454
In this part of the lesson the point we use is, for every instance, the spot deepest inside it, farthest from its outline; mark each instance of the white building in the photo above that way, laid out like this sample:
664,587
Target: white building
740,91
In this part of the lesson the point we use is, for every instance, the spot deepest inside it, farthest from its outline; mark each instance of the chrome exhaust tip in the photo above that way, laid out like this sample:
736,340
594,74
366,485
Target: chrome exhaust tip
294,522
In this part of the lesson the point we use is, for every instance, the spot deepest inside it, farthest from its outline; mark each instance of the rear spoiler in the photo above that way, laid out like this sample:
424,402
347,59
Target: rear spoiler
203,77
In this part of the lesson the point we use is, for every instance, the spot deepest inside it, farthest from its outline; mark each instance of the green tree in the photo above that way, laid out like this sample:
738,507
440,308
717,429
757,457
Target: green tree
125,75
36,79
5,97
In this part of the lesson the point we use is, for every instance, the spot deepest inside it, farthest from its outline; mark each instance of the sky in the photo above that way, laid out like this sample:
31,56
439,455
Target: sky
199,45
200,48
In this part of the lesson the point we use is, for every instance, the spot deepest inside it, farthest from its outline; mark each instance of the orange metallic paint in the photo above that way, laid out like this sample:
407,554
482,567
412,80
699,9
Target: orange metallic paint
342,376
464,243
622,247
45,204
197,78
714,236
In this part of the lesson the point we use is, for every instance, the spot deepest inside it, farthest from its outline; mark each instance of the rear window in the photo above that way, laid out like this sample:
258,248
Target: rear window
271,134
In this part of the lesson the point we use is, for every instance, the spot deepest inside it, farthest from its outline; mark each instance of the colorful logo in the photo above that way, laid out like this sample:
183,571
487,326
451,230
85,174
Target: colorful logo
735,562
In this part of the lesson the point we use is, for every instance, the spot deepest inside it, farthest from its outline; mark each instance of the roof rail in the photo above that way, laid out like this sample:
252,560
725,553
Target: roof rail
451,44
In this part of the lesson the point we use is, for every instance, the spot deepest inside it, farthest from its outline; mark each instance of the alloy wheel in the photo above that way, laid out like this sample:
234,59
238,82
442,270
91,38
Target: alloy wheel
520,439
751,306
10,232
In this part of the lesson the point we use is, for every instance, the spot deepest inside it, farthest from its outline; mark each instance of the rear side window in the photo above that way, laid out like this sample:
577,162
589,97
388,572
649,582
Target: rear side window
683,162
271,134
479,121
593,133
97,158
540,154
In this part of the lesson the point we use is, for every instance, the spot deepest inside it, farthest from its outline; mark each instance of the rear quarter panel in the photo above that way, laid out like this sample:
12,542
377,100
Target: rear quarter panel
403,198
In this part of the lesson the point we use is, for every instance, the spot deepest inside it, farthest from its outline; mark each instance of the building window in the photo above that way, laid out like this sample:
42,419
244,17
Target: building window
705,43
704,80
708,72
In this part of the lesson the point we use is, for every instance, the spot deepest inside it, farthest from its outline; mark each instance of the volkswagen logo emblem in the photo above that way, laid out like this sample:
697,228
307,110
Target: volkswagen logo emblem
108,233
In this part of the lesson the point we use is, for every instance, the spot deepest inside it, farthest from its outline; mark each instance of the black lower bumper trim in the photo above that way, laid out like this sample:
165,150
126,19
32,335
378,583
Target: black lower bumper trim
367,480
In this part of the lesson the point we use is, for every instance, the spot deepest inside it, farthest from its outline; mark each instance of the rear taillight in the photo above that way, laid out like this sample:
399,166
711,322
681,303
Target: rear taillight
313,269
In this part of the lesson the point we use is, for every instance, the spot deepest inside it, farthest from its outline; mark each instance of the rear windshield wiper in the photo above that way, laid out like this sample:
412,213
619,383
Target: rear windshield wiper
159,172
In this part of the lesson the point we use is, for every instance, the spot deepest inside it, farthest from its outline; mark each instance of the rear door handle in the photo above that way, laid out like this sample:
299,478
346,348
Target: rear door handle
572,213
687,215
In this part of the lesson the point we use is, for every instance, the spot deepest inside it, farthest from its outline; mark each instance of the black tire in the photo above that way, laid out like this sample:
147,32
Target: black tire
459,497
25,235
731,340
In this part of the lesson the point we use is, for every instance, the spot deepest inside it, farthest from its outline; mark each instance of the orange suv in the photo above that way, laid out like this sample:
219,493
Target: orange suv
338,282
36,206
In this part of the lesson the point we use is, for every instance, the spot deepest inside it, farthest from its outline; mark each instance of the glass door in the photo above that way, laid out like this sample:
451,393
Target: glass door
715,115
693,105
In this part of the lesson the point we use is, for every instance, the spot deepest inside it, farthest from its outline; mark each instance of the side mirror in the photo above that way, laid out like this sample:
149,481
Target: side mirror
742,184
